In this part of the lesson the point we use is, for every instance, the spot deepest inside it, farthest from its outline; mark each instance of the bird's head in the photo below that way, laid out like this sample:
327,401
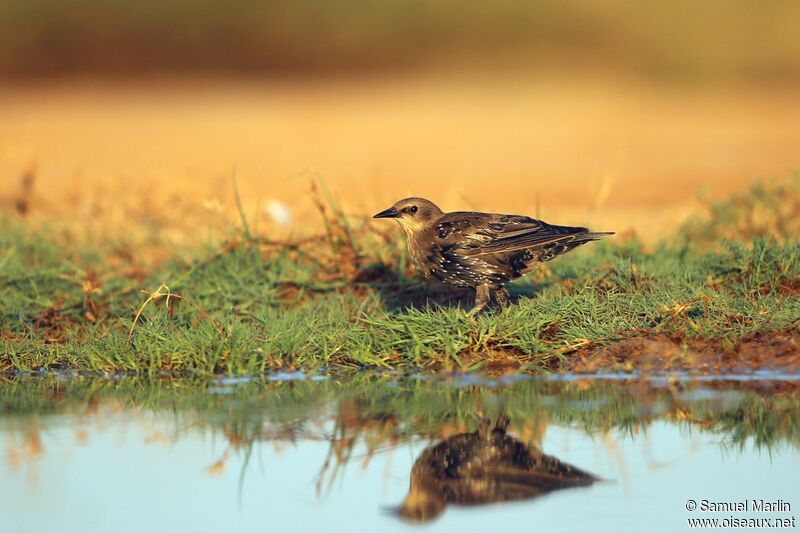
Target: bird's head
413,214
421,506
425,500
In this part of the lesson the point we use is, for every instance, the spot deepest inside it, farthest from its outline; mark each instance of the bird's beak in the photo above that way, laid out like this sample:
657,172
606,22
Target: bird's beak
388,213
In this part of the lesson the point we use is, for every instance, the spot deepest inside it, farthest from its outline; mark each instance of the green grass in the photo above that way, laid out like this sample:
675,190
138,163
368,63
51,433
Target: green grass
249,307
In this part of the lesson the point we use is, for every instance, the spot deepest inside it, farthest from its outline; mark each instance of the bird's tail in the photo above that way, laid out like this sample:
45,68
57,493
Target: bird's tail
578,237
592,236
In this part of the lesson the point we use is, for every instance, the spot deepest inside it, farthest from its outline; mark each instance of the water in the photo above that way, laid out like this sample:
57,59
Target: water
330,454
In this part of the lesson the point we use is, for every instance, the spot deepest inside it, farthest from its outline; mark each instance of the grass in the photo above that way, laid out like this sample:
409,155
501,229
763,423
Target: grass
766,209
346,300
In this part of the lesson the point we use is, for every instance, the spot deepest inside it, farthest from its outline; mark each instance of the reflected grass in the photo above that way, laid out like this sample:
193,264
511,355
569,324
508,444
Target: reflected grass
384,411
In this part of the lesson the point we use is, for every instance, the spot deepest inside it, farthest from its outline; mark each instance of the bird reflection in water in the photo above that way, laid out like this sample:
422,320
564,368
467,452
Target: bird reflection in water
485,466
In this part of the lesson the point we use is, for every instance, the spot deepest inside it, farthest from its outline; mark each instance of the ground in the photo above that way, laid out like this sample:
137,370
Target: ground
347,300
124,248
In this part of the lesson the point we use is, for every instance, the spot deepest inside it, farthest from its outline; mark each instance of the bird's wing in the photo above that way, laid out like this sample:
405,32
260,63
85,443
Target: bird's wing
475,234
504,481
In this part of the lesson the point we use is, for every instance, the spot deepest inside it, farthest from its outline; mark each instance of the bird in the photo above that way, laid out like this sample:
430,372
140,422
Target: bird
483,251
481,467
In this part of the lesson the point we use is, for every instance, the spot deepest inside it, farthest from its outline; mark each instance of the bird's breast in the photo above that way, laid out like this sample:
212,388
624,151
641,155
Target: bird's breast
416,253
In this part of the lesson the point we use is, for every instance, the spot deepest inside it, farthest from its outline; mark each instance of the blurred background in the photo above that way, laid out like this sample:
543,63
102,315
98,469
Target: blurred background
129,119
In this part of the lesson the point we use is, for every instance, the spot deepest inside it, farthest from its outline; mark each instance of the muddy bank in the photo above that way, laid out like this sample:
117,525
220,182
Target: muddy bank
778,351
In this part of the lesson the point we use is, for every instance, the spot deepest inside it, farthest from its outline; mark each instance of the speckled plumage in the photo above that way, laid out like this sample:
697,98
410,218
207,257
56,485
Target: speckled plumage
483,251
485,466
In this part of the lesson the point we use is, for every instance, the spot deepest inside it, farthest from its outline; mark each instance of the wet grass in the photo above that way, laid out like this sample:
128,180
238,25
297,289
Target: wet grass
347,300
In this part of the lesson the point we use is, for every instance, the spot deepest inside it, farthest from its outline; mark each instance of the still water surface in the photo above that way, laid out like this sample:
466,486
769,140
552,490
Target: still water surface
83,455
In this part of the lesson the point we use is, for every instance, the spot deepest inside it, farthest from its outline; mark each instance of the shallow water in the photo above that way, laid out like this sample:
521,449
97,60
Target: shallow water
336,454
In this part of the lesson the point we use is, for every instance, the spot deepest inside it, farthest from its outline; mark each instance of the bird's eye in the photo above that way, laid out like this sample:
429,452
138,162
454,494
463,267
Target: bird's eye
412,209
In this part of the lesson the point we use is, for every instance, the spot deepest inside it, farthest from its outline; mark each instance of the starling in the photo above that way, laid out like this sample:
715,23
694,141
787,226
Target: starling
485,466
483,251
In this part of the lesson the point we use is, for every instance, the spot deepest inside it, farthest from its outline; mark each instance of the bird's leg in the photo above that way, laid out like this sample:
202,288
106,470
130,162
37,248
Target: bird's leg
481,299
502,297
484,427
502,422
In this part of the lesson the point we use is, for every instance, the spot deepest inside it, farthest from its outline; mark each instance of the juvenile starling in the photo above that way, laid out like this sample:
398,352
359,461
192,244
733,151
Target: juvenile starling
486,466
480,250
